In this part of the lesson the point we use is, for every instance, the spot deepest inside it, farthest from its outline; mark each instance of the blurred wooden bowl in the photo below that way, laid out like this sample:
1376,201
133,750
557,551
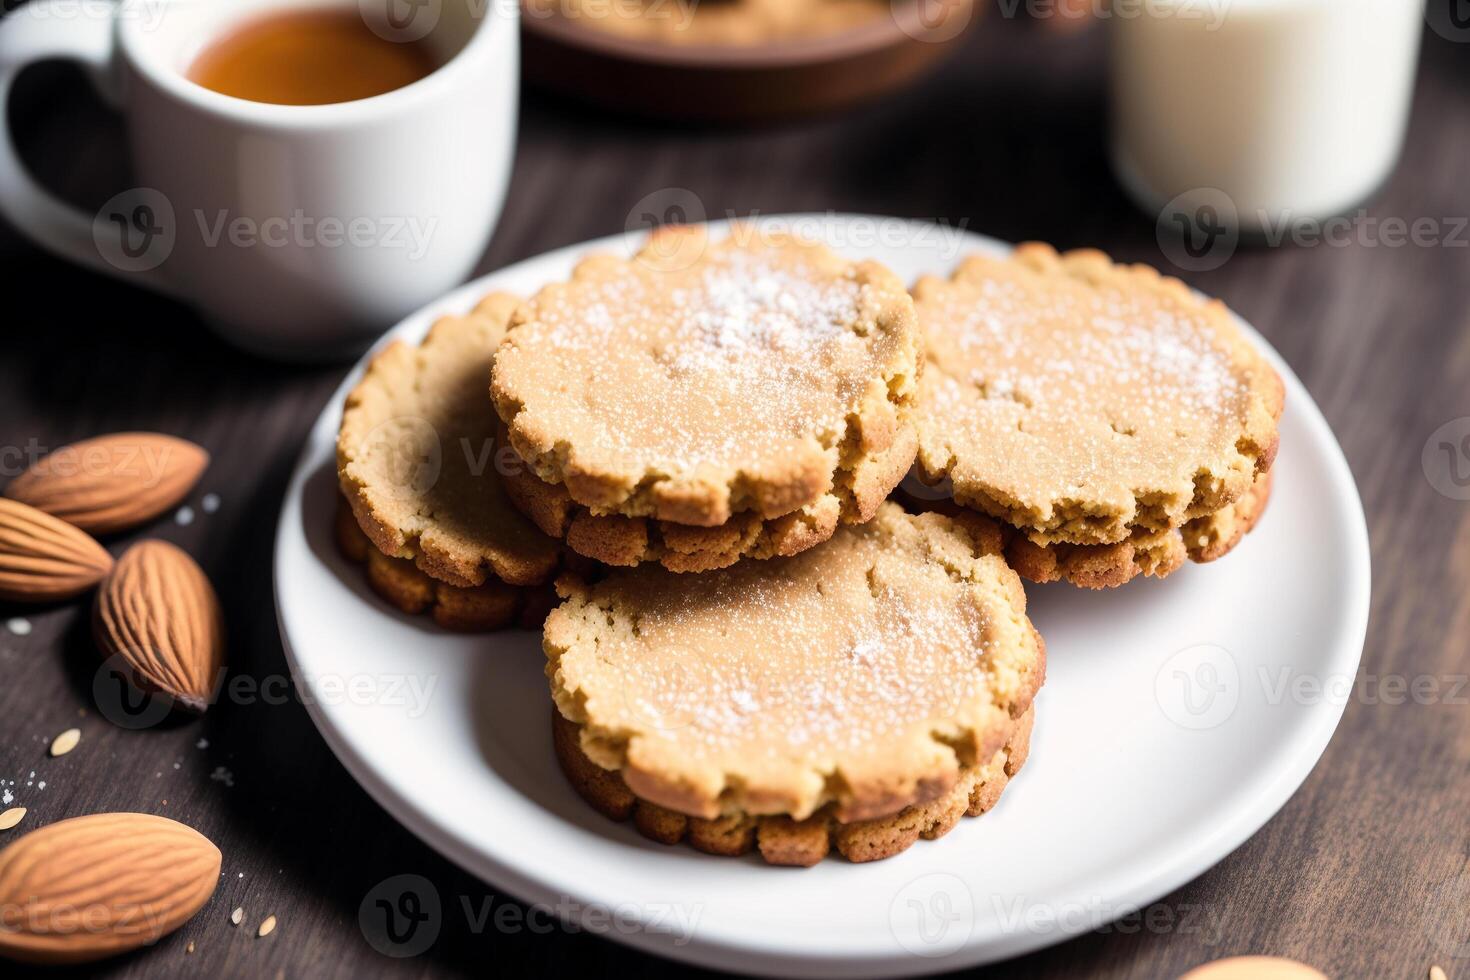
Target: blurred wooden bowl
744,83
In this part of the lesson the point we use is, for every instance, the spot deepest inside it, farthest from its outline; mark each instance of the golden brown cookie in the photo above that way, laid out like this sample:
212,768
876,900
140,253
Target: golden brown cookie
1106,566
782,840
417,458
1087,403
715,22
476,609
878,672
761,374
626,541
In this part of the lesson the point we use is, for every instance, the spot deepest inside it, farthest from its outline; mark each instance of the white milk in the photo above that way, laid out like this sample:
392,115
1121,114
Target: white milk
1295,109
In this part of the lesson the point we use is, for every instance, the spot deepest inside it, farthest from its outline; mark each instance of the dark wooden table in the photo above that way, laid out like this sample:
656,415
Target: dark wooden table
1364,873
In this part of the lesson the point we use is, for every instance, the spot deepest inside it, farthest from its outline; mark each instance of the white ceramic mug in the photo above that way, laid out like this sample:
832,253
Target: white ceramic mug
297,231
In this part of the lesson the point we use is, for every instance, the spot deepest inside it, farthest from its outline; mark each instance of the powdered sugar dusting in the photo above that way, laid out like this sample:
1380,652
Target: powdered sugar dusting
854,647
1059,388
752,348
747,307
1074,348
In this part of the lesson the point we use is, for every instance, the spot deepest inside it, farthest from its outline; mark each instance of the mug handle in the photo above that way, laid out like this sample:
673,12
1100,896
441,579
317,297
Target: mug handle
32,32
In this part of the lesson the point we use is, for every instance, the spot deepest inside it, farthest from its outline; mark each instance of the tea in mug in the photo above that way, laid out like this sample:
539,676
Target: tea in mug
309,58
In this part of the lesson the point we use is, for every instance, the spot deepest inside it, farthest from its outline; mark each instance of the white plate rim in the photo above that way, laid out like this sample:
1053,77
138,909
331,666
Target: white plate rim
1150,878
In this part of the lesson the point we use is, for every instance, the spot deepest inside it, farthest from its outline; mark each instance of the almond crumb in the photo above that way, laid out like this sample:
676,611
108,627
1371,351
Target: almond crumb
267,927
11,817
237,916
66,741
1437,973
189,948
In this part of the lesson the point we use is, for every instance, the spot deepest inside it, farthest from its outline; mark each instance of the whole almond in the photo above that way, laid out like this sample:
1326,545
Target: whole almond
1254,968
158,612
43,559
91,887
113,482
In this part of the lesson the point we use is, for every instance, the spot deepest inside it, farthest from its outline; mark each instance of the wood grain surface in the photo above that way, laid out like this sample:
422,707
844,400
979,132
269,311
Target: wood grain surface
1364,873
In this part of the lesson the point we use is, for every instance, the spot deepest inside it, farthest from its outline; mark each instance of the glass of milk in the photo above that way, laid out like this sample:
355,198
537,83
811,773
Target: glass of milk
1294,110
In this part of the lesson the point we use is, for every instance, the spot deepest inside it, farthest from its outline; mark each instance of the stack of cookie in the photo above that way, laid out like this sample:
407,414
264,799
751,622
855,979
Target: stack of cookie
705,402
413,456
1111,421
755,648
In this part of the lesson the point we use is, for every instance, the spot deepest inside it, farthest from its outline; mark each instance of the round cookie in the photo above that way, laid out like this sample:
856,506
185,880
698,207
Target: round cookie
422,506
702,380
1088,403
626,541
781,840
476,609
1106,566
417,458
880,672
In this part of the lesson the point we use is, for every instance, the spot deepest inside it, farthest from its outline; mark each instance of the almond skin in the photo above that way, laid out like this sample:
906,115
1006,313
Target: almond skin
114,482
91,887
43,559
158,612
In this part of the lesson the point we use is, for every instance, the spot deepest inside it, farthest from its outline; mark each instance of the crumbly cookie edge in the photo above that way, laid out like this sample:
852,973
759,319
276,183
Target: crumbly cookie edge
781,840
710,500
972,727
399,539
454,608
1076,520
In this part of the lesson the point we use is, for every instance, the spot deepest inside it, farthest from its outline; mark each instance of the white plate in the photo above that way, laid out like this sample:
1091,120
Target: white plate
1177,717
